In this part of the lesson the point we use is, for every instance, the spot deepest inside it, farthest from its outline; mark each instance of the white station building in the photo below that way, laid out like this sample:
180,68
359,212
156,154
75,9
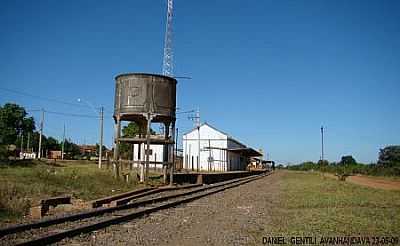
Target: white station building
218,151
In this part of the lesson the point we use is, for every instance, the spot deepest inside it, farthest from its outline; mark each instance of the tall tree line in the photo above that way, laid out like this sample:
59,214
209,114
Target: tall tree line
17,130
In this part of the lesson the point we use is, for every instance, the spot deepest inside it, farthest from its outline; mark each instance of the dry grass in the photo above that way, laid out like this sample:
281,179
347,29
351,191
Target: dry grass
23,184
13,202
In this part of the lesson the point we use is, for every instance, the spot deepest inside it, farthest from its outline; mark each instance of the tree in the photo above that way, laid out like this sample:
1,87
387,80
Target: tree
35,141
347,160
71,148
304,166
13,123
131,130
389,156
323,163
52,144
98,148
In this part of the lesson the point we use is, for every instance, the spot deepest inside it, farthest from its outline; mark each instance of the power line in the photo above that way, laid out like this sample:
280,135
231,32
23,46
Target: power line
33,110
73,115
186,112
66,114
44,98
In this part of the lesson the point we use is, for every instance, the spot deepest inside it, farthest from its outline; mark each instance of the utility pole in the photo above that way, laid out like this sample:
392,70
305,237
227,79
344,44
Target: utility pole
198,148
28,142
40,136
22,142
176,146
62,147
322,143
176,142
198,135
196,120
101,135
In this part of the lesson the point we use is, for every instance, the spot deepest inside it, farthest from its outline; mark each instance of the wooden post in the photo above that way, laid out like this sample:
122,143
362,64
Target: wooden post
117,129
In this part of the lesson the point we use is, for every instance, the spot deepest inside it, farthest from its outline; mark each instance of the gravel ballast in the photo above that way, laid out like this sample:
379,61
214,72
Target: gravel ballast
237,216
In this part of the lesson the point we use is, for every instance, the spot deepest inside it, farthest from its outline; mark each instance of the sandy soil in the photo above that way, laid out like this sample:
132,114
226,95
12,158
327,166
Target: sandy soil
238,216
374,182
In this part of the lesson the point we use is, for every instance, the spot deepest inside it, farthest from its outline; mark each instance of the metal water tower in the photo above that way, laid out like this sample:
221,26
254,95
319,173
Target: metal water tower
144,99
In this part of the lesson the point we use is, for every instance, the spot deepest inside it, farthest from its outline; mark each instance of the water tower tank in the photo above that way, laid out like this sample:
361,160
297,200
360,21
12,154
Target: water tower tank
137,94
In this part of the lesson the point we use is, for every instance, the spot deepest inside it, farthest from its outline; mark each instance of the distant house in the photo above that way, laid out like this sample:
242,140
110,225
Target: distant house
107,153
54,154
88,149
206,148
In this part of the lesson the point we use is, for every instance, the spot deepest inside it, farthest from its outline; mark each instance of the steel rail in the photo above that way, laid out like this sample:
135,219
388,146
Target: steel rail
101,211
107,222
105,200
125,200
163,198
83,215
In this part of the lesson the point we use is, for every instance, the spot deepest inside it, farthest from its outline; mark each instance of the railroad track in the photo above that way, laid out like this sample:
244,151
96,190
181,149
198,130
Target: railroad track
52,230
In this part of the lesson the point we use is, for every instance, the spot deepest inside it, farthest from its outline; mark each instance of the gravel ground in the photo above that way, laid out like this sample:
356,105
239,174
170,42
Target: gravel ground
20,237
237,216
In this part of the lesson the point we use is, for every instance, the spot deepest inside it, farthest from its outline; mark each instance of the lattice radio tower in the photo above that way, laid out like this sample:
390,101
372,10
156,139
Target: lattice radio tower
168,54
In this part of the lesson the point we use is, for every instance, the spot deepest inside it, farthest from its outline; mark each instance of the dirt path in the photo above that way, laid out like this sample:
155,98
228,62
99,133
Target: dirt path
237,216
374,182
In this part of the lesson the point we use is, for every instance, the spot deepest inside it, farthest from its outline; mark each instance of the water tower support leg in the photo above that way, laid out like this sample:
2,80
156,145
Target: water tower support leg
149,118
165,153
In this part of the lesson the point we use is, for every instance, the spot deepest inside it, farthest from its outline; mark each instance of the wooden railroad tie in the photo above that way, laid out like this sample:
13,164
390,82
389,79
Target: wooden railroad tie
43,208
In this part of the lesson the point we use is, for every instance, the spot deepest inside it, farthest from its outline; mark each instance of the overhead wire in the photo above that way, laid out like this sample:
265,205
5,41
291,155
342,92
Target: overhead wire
44,98
186,112
72,114
67,103
52,100
64,114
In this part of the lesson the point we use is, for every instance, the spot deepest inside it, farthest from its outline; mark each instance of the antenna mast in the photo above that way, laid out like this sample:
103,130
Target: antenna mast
168,55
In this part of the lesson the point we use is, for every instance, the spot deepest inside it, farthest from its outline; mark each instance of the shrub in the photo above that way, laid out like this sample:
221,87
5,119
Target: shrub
3,152
12,201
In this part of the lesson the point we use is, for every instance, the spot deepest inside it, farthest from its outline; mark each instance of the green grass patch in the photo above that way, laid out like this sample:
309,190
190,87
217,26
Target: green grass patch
311,205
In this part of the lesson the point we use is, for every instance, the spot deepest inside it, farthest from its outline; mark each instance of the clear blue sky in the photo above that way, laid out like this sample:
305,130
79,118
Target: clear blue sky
270,73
